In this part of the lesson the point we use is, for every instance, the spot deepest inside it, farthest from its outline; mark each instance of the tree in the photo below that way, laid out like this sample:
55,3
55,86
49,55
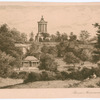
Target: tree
6,62
84,35
45,49
84,54
50,50
45,35
4,28
70,58
53,38
62,47
15,35
34,50
72,37
96,52
66,46
47,62
7,42
31,37
53,51
58,36
64,37
23,37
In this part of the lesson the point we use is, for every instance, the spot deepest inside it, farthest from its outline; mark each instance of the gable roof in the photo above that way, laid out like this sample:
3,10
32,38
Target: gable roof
30,58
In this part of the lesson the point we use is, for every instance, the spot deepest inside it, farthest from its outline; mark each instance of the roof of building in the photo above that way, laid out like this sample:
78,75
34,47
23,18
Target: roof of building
42,20
31,58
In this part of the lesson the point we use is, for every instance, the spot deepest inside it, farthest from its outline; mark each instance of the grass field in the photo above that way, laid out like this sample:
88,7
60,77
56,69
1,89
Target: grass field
9,81
91,83
18,83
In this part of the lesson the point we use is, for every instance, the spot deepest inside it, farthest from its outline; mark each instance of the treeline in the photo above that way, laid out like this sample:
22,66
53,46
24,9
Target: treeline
59,37
10,56
71,49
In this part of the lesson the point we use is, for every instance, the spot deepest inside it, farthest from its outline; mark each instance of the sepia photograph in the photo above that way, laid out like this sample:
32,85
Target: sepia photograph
49,45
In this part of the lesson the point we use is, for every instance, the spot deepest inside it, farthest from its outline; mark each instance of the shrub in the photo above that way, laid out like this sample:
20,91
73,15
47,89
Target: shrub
33,77
65,75
20,75
71,68
47,75
14,75
96,71
76,75
81,75
98,84
86,72
23,75
59,76
90,86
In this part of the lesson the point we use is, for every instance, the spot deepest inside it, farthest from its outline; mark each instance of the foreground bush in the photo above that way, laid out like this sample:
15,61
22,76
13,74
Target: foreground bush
96,71
13,75
50,75
20,75
59,76
47,75
81,75
23,75
44,76
65,75
33,77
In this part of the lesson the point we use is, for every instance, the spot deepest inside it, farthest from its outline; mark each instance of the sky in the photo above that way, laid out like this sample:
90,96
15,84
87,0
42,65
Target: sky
62,17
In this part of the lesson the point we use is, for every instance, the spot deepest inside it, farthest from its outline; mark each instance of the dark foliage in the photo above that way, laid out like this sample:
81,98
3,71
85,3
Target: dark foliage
14,75
47,62
33,77
47,75
19,75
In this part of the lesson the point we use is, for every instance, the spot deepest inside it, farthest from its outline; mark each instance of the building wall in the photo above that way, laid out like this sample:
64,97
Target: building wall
30,64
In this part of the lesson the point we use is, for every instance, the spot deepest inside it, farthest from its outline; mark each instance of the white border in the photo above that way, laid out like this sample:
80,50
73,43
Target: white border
51,0
54,1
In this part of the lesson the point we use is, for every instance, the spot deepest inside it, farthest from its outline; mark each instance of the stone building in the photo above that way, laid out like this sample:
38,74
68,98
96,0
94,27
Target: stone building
42,28
30,62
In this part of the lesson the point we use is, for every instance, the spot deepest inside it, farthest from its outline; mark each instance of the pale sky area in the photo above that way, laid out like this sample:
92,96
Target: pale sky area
63,17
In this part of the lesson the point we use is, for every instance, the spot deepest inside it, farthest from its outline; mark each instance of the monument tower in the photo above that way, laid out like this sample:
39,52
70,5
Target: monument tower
42,28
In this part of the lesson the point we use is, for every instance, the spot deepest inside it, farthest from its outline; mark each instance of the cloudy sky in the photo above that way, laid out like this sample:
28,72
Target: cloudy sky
63,17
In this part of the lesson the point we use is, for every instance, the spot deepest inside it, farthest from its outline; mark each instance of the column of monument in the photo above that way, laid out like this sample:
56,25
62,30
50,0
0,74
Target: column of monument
46,28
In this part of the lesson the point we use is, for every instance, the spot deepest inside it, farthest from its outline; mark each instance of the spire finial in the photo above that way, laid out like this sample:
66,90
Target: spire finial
42,18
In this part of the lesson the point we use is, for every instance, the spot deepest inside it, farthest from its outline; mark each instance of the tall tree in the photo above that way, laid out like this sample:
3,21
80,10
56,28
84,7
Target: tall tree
96,52
70,58
84,36
53,38
6,62
7,42
64,37
31,37
24,37
72,37
45,35
47,62
58,36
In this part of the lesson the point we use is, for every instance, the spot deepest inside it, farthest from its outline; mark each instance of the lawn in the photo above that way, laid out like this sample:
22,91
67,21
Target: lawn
91,83
9,81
